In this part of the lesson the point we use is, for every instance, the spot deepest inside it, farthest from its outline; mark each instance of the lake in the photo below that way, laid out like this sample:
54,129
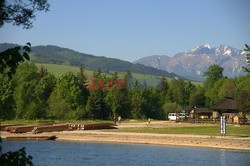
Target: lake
85,153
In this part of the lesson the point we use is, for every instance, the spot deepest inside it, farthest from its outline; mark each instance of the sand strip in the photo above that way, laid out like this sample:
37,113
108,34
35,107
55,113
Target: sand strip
228,142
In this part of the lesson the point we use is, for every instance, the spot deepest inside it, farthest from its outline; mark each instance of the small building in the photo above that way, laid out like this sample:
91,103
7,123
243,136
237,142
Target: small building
199,114
228,108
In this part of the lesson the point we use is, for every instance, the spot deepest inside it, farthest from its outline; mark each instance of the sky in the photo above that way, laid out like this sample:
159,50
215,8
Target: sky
132,29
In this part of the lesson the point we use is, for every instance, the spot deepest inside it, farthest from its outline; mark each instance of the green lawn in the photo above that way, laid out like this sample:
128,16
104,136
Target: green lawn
197,130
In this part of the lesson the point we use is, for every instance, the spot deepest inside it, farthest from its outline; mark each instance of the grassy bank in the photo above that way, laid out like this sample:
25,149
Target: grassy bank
232,130
26,122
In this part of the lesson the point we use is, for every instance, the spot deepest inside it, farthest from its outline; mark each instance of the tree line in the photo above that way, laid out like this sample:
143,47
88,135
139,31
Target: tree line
35,93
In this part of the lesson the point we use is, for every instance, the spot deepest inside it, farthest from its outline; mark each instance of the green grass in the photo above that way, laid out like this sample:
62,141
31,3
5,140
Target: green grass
22,121
26,122
232,130
61,69
197,130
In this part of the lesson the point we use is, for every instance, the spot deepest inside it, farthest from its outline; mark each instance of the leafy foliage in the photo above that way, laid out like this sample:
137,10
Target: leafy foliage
6,97
37,94
16,158
213,73
21,12
10,58
197,97
247,56
67,100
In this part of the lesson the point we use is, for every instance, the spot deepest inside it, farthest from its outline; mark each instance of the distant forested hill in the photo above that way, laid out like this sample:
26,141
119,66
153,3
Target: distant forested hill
57,55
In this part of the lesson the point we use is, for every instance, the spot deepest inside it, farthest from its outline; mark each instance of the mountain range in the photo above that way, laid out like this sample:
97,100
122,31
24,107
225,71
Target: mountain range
195,62
51,54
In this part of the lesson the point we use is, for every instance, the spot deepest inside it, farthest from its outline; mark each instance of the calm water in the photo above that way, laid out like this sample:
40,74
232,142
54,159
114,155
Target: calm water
81,153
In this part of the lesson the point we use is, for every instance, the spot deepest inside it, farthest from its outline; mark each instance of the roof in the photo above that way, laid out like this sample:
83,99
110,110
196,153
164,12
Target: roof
228,103
188,107
202,110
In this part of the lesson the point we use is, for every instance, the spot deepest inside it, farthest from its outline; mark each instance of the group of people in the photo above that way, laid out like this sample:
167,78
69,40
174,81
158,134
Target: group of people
119,118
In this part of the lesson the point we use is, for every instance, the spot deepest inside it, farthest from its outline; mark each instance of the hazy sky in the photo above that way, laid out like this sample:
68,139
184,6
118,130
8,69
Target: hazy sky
131,29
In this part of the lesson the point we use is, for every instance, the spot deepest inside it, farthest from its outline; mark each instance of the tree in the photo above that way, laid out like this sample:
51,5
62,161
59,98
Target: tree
165,86
82,81
43,90
227,89
6,97
25,80
213,73
247,56
197,97
188,90
178,92
222,88
242,93
117,99
81,76
67,99
127,79
136,104
21,12
10,59
96,107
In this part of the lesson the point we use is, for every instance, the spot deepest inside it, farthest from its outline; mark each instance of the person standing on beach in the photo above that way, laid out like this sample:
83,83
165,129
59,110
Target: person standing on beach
119,119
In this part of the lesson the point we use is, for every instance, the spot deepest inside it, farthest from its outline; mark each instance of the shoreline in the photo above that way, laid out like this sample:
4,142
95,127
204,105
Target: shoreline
196,141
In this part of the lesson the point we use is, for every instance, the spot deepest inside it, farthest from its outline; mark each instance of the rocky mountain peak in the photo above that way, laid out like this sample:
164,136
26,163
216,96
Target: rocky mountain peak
194,63
202,49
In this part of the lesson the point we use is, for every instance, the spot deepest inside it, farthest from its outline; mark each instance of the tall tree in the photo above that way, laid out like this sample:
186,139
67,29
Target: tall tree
152,103
136,104
25,80
242,93
43,90
247,56
178,91
197,97
7,102
19,13
96,107
67,100
213,73
188,90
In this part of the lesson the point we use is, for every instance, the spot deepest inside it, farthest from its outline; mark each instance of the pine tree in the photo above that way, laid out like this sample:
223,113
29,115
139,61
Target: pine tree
247,56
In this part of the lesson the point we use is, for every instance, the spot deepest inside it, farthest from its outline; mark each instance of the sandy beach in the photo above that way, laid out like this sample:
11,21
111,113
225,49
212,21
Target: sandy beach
206,141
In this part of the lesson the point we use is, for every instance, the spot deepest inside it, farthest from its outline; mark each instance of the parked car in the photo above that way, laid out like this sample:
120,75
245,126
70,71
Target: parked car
172,116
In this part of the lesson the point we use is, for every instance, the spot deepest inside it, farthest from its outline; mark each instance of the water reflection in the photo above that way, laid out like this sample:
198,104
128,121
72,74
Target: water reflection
222,157
82,153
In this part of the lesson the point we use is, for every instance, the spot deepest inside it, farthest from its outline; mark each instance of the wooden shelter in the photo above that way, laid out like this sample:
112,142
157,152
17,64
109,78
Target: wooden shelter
228,108
199,114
